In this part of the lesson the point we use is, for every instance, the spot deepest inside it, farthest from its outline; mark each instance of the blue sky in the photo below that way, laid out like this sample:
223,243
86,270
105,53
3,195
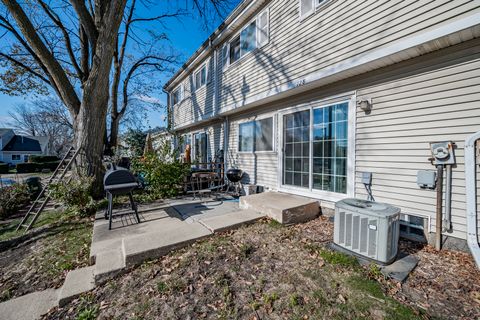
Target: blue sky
185,35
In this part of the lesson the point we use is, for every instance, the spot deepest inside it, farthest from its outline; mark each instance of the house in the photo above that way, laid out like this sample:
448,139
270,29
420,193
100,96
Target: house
17,148
308,95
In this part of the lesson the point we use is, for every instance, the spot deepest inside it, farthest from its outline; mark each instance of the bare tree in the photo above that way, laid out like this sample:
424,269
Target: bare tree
132,75
45,117
68,47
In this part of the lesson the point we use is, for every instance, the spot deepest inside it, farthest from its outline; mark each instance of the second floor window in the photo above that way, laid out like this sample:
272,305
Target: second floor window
307,7
201,77
177,95
254,35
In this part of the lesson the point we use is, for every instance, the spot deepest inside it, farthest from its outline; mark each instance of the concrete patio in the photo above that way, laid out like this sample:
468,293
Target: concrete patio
163,227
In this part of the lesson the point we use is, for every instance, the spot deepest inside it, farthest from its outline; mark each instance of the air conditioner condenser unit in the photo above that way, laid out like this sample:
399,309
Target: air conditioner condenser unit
367,229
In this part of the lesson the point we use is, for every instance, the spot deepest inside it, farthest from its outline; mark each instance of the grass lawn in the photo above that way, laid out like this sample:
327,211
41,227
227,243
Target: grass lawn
42,261
262,271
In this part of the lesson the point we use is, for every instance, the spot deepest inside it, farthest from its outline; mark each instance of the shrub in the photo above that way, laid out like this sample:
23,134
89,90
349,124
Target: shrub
4,168
13,198
52,166
27,167
162,176
43,159
75,195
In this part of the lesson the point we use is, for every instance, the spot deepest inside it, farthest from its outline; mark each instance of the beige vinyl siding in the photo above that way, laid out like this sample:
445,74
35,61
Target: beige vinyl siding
259,168
393,141
338,31
197,104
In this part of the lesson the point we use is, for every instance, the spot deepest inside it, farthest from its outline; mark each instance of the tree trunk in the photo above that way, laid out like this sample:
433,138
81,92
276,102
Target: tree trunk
89,132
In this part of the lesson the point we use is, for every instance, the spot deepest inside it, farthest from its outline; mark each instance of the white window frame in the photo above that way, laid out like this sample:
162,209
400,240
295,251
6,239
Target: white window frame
181,96
316,5
257,44
274,130
310,192
199,70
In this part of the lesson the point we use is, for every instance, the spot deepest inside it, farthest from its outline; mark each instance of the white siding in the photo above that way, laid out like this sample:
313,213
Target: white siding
393,141
338,31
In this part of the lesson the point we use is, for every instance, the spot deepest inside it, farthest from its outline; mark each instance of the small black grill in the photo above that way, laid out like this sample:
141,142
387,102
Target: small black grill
119,181
234,175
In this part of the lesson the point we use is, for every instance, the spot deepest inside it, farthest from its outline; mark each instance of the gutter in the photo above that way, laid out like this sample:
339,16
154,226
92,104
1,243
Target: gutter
471,194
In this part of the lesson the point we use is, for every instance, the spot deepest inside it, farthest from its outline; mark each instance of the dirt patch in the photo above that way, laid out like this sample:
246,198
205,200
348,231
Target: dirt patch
267,271
42,261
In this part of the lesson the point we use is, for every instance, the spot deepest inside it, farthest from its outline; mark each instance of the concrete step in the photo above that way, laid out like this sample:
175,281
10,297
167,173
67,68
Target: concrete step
154,245
231,220
283,207
108,264
29,307
77,282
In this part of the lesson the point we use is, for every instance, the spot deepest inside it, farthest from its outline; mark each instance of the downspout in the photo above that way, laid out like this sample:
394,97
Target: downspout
226,132
471,194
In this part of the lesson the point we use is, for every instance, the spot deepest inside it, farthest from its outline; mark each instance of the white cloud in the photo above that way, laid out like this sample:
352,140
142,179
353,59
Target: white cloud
5,120
149,99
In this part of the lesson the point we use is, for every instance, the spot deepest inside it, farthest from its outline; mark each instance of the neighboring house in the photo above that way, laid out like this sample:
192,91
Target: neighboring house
17,149
282,86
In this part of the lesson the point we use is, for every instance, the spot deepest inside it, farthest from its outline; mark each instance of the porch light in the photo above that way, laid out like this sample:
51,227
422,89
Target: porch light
365,104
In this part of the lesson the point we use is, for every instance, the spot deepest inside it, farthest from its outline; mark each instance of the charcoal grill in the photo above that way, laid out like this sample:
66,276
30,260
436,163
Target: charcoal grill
119,181
235,176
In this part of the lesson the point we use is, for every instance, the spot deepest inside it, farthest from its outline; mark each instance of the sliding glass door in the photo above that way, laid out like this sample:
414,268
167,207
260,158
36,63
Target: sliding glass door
315,144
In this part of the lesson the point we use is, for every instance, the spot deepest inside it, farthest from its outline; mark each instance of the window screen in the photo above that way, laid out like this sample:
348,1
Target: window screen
263,28
306,7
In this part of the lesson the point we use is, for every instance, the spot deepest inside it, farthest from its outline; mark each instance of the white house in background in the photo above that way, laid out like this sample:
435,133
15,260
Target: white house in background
17,148
306,96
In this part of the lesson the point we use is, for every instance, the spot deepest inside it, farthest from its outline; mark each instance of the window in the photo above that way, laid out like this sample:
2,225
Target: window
25,158
330,128
15,157
316,148
201,148
201,77
235,50
254,35
307,7
263,29
248,39
185,140
256,135
177,95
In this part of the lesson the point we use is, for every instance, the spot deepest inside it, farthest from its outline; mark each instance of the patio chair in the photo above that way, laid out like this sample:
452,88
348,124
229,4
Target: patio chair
200,183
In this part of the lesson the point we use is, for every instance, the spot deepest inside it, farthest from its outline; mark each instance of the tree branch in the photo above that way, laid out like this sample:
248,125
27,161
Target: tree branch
68,44
86,20
25,67
62,83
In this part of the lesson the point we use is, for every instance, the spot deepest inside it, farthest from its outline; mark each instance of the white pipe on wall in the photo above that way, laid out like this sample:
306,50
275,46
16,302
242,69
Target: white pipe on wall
471,193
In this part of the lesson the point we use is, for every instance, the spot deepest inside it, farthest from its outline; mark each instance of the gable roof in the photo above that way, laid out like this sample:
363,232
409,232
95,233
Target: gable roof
4,130
22,143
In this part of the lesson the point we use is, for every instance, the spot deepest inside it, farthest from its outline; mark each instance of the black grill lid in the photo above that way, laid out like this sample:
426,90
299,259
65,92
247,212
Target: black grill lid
118,176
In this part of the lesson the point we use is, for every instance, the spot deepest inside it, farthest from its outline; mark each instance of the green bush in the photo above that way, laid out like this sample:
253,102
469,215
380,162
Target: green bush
27,167
13,198
75,195
163,176
52,166
43,159
4,168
